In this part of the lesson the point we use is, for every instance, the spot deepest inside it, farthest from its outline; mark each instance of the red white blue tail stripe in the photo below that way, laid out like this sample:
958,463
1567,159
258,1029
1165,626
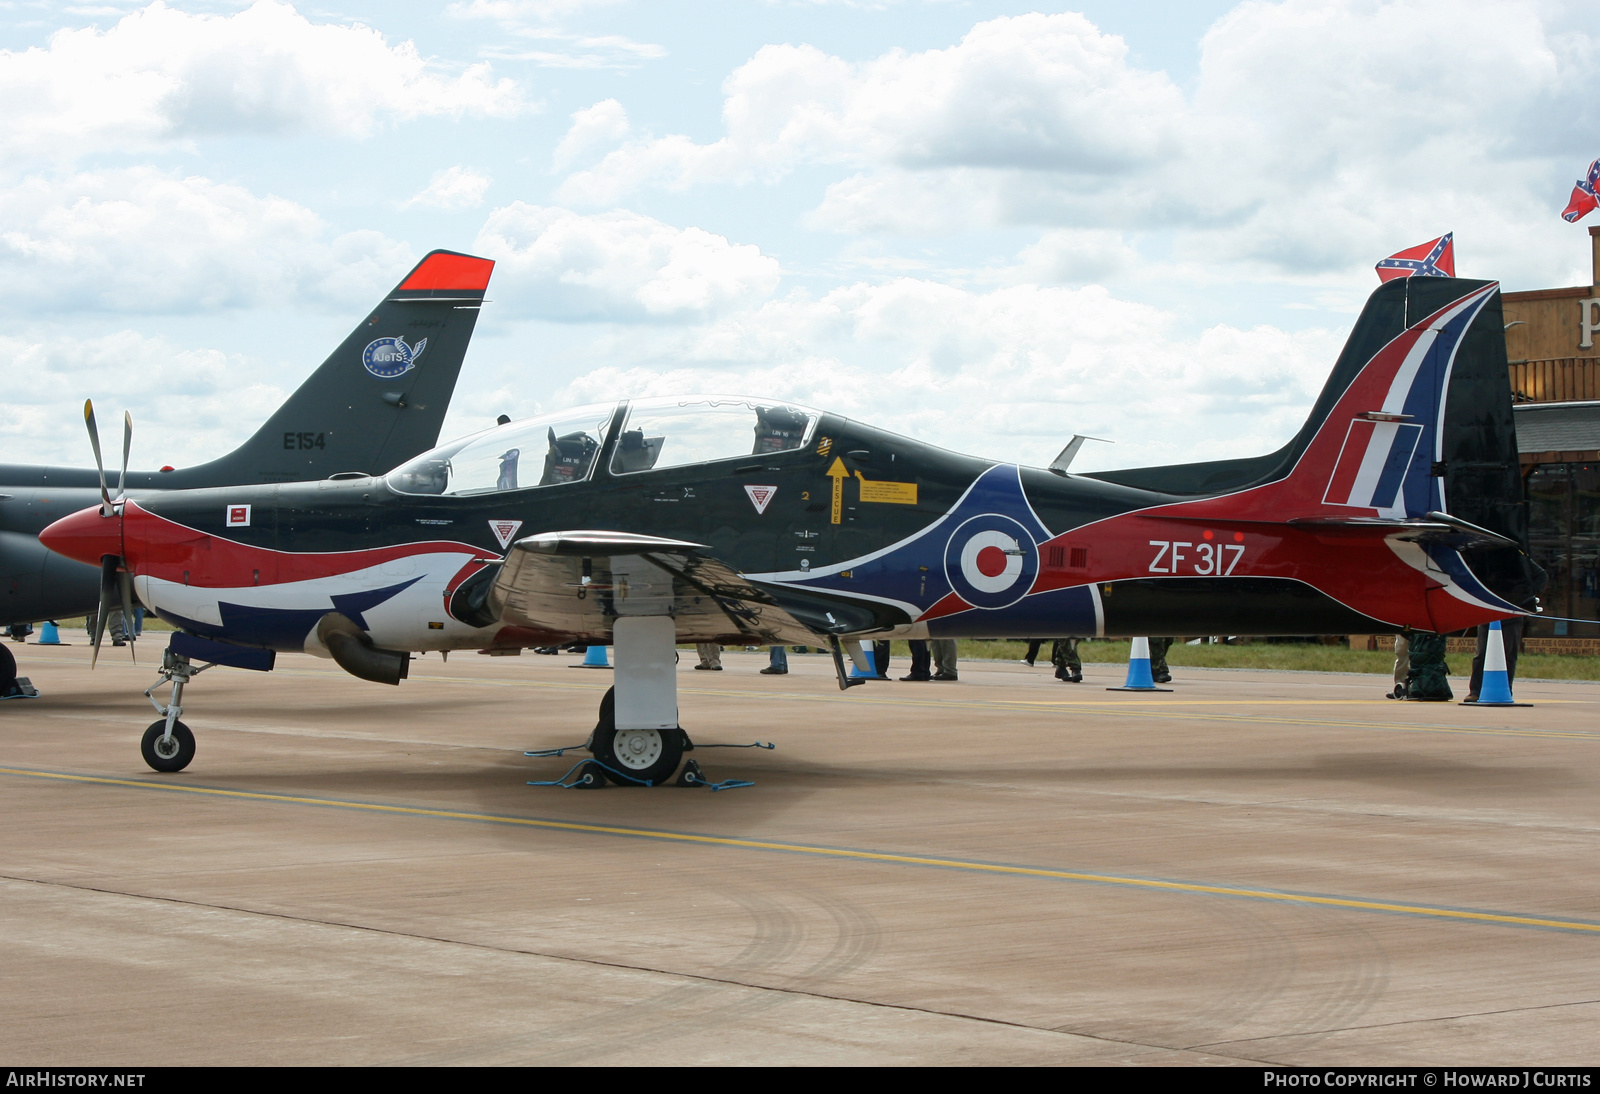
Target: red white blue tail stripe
1373,463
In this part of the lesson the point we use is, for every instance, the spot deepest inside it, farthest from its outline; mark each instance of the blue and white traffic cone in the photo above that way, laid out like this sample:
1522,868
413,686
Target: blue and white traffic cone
594,658
872,665
1495,690
1139,678
49,635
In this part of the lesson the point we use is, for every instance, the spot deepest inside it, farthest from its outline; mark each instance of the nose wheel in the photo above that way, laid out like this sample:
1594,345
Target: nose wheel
165,751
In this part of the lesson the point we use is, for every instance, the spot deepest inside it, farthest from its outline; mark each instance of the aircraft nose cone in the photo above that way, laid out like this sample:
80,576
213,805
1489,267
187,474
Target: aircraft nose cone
84,536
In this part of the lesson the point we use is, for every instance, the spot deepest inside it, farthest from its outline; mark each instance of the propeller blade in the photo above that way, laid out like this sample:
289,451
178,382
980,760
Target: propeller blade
99,464
108,592
127,446
125,587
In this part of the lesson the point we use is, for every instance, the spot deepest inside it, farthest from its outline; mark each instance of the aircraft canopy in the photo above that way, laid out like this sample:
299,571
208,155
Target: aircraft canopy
557,449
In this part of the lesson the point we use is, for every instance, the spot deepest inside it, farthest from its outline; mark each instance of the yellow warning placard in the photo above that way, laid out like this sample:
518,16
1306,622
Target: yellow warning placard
891,493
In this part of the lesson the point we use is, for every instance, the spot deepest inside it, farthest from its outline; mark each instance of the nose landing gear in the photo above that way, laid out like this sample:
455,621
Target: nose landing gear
168,745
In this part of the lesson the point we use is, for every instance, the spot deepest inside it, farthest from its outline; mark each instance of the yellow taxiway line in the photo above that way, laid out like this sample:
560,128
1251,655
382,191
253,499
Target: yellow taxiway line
1393,907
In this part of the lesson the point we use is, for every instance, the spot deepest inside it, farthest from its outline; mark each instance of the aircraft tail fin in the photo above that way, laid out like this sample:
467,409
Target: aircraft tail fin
1414,422
1425,430
380,398
1438,389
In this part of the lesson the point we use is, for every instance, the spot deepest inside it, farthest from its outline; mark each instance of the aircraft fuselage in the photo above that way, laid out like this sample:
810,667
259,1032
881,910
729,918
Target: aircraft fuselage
858,532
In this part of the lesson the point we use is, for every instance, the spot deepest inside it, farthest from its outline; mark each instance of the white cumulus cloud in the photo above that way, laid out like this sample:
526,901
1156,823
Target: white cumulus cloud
189,405
1318,136
1033,92
451,189
594,129
141,240
161,74
619,265
1009,373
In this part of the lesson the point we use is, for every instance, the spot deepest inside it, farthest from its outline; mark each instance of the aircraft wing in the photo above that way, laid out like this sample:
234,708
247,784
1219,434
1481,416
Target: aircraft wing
579,582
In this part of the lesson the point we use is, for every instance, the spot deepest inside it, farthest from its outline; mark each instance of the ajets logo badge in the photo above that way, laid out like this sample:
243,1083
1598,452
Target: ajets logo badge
387,358
238,516
760,496
503,530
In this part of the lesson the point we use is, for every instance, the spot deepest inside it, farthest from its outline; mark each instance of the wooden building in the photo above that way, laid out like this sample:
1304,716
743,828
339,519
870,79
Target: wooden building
1553,342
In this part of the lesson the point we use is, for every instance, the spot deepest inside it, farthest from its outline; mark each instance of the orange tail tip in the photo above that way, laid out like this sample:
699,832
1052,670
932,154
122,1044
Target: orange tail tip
451,272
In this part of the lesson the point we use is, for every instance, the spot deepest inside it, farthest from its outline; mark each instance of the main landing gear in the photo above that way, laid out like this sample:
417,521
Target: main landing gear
647,757
637,740
168,745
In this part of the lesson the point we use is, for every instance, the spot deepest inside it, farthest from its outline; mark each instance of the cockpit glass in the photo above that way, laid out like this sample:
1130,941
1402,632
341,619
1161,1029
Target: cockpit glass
662,433
550,450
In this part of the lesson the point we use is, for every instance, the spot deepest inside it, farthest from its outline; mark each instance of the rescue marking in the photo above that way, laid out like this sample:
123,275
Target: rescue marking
838,474
1472,915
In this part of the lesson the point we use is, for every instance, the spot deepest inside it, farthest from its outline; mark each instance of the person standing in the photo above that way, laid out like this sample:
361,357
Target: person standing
1511,639
944,652
1033,652
880,659
1158,660
710,656
777,663
1402,666
919,661
1064,656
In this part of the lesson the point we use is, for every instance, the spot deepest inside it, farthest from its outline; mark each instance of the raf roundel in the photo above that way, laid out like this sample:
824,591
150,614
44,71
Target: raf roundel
388,358
991,561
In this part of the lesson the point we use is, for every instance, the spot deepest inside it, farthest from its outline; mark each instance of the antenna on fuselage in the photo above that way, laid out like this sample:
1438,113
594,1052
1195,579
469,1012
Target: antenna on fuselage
1060,464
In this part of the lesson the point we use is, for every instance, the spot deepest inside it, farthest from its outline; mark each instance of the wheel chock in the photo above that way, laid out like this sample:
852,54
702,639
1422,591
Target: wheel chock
591,776
20,688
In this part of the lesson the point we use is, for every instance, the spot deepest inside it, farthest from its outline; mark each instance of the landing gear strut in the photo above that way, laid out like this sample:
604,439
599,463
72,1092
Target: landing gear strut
168,745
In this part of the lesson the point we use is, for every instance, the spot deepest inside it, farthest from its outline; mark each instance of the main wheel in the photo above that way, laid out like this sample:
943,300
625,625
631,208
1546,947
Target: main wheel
648,755
8,670
167,755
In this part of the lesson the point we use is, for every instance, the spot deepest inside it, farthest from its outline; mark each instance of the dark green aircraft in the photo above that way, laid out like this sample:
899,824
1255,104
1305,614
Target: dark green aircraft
645,523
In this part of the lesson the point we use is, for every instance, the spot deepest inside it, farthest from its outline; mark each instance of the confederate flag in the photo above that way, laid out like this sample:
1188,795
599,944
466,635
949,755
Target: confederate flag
1435,258
1584,200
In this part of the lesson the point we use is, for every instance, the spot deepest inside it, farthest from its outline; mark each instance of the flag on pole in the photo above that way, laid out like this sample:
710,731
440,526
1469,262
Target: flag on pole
1584,200
1435,258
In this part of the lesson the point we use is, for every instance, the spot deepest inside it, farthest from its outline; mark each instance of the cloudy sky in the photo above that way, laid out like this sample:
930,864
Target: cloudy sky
985,224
